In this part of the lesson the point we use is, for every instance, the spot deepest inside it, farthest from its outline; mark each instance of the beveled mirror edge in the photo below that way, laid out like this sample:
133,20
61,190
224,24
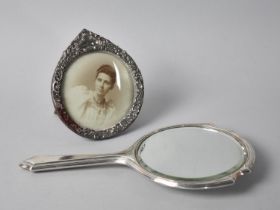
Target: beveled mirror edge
133,161
89,42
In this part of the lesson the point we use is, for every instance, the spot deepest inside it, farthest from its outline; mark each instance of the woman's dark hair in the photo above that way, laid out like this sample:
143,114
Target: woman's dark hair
106,69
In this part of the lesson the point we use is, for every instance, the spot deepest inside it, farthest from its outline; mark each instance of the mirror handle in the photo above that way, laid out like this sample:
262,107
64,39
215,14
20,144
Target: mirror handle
58,162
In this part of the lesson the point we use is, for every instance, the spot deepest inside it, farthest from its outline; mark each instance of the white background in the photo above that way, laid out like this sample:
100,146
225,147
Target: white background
202,61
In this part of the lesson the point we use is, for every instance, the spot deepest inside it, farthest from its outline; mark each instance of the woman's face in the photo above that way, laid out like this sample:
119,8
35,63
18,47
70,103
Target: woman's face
103,83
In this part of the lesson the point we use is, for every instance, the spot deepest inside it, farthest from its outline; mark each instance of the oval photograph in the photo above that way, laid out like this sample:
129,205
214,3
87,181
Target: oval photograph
98,90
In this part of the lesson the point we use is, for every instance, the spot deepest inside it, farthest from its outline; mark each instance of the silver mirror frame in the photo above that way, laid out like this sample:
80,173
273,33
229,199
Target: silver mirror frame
88,42
131,158
196,183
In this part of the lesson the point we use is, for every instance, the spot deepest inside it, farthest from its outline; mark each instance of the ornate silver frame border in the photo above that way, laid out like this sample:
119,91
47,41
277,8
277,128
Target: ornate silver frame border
89,42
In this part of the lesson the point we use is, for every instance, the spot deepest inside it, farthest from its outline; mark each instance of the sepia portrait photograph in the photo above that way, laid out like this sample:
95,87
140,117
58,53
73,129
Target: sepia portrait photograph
98,91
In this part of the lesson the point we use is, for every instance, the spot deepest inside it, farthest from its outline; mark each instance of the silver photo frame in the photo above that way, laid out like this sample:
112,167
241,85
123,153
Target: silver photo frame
89,71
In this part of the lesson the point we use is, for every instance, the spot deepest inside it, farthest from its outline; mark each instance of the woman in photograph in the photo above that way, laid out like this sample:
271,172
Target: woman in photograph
90,108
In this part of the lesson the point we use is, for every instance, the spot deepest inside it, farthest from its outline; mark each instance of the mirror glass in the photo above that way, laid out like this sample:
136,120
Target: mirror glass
191,153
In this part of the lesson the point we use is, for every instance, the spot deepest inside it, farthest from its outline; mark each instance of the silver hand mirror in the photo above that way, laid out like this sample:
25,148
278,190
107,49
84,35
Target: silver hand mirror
189,156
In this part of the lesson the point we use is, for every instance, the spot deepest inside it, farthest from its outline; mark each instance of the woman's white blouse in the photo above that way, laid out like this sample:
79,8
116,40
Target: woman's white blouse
85,111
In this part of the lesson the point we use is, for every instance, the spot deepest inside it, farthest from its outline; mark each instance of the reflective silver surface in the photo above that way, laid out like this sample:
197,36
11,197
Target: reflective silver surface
190,156
191,152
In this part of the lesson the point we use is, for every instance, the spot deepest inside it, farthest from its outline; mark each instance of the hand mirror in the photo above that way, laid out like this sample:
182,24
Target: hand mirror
189,156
